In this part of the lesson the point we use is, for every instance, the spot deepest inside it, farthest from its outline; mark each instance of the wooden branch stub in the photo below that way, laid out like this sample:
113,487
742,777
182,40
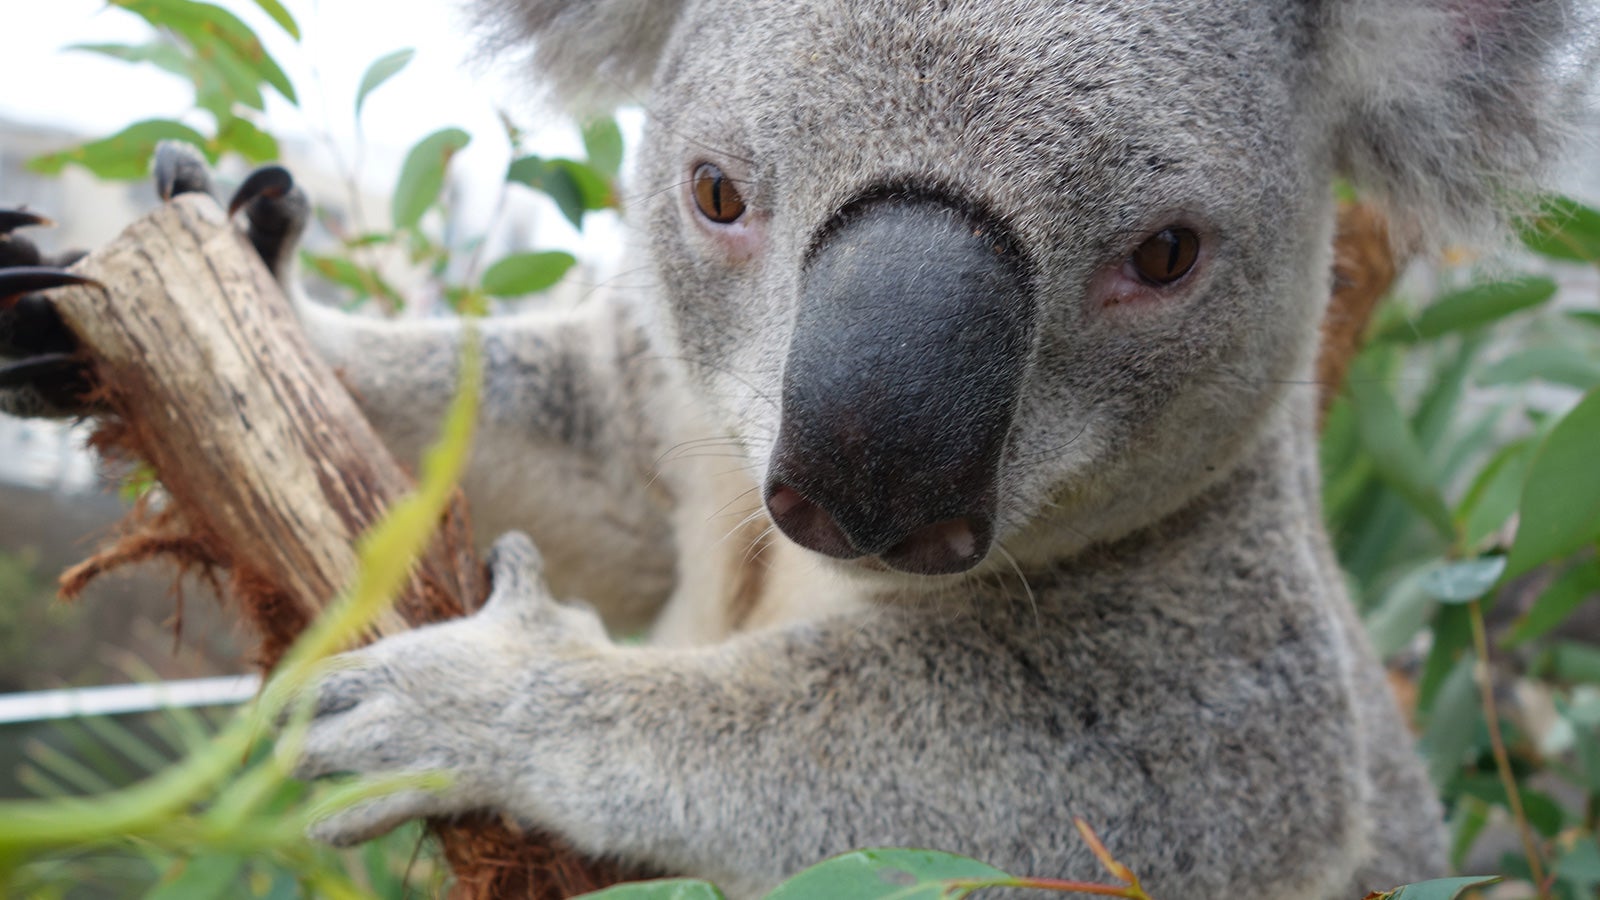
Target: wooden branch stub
210,380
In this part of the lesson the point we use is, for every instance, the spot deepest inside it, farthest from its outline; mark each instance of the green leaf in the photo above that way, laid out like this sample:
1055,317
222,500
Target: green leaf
1568,663
1494,494
882,874
125,156
1452,731
1560,508
1398,458
161,54
1471,816
670,889
1554,363
1580,866
1440,889
526,273
1400,614
243,137
1472,307
1465,581
1558,601
1452,636
1541,810
422,175
202,878
602,145
364,281
215,33
1564,229
381,70
280,15
574,187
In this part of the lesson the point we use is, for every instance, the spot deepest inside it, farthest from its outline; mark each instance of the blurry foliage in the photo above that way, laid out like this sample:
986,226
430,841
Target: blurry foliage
1462,487
232,73
28,614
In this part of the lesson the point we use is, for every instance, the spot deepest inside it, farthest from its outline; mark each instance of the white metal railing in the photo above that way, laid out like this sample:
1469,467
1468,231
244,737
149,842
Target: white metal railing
116,699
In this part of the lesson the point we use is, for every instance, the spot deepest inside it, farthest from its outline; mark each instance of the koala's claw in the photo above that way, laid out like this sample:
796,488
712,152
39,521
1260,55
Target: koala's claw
47,368
22,280
266,183
179,168
12,219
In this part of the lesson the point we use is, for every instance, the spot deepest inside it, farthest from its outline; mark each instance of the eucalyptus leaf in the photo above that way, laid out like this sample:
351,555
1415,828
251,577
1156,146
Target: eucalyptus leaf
1560,507
1452,730
212,28
1558,601
1564,229
280,15
381,70
422,175
1399,459
202,878
1465,581
1554,363
602,145
882,874
669,889
1494,494
526,273
124,156
1440,889
1472,307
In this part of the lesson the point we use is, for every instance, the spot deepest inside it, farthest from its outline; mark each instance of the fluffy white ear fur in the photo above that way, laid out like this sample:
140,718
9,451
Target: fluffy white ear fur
592,54
1452,111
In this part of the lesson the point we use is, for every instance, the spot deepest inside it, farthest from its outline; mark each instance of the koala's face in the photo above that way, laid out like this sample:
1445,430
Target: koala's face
960,274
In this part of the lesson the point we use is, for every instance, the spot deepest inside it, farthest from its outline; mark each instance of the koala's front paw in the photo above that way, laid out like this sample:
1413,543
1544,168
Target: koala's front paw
451,698
40,372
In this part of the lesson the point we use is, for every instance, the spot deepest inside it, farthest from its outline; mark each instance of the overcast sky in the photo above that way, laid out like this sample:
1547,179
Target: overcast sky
443,86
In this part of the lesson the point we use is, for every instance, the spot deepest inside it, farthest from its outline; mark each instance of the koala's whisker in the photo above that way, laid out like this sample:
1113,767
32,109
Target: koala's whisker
665,125
676,450
1051,452
760,394
1027,588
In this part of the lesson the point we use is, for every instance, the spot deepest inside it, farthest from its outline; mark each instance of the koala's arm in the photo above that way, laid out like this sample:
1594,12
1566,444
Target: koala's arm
565,446
746,761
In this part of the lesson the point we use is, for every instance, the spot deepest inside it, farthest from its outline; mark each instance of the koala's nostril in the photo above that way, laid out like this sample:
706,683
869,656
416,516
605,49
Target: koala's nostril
807,523
943,548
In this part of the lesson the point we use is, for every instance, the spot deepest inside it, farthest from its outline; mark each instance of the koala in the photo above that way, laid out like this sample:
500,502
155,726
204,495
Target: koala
954,449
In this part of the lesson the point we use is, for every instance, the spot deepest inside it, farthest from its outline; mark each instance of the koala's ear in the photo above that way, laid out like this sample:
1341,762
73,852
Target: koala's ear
592,53
1452,111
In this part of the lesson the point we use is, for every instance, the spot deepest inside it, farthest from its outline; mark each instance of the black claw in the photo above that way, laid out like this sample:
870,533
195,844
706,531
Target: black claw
272,182
12,219
180,169
21,280
46,368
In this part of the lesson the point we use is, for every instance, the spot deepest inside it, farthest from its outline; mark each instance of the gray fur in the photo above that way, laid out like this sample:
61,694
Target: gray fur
1160,642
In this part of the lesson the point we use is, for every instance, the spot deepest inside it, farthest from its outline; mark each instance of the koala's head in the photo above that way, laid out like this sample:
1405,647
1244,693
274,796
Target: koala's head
967,271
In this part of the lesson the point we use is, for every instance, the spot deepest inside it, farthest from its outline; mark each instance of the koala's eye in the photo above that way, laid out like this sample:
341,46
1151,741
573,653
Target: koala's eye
1166,256
716,197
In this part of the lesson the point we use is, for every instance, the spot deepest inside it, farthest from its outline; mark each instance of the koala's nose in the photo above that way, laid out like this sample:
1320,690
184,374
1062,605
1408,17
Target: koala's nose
901,384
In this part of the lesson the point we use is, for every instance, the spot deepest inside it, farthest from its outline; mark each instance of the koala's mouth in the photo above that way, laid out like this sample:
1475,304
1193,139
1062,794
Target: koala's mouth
900,387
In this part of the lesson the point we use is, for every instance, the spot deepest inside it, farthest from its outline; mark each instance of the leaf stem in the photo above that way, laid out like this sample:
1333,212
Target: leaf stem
1502,760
